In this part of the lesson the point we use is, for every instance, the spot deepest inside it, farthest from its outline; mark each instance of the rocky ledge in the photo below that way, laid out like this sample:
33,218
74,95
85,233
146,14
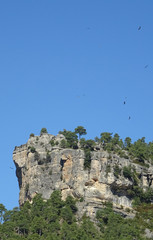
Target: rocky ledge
42,167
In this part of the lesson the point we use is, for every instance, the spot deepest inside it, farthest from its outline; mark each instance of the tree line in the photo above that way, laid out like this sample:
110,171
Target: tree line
139,151
55,219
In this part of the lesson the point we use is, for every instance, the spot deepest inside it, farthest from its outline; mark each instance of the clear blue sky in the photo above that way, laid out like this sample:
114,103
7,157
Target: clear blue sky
69,63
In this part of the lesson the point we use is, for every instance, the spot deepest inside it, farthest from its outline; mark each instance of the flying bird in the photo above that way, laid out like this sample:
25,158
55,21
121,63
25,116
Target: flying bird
125,101
146,66
139,27
11,168
129,117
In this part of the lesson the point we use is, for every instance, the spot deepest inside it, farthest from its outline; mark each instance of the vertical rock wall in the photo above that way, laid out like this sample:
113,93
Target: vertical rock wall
43,168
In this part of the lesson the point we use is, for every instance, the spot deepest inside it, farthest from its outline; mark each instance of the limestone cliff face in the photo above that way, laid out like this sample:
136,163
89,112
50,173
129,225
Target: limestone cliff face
43,168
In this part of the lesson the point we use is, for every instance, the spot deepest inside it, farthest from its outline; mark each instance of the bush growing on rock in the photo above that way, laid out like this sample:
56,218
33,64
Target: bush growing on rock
43,130
32,135
32,149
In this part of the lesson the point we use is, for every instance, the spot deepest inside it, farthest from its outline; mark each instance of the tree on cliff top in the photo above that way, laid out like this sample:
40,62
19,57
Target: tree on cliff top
71,138
106,137
81,131
43,130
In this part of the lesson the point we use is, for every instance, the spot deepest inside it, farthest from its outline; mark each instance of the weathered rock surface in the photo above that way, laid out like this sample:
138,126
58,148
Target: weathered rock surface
43,168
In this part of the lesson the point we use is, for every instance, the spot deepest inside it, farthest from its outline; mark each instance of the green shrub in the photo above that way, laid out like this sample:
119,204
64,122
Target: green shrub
81,199
82,143
48,157
43,130
117,171
127,173
71,138
67,215
63,143
32,149
32,135
87,160
142,163
52,142
121,153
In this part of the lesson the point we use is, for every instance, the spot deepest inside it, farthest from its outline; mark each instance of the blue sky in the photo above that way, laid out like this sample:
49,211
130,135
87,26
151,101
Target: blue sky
69,63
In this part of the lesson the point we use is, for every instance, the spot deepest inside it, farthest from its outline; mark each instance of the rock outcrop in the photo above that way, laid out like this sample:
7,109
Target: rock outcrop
42,166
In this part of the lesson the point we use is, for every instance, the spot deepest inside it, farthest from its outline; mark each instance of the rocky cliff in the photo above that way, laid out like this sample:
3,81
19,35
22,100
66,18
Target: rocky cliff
42,167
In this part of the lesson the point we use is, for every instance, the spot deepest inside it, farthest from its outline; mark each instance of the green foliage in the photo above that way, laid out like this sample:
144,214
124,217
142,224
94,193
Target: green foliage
56,143
87,144
127,143
43,130
56,200
108,169
127,173
113,226
97,140
2,212
112,143
32,149
52,142
116,139
32,135
139,151
48,157
81,199
46,220
63,143
122,153
70,201
71,139
144,215
90,144
80,130
117,171
87,160
67,215
139,196
55,219
106,137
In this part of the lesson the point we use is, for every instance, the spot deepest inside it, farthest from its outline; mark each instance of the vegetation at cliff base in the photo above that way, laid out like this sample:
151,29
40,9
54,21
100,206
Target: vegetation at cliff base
51,219
55,219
